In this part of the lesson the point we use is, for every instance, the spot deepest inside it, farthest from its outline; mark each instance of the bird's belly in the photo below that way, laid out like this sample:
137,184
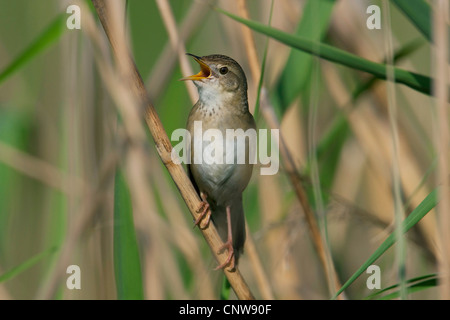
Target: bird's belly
220,175
222,181
213,174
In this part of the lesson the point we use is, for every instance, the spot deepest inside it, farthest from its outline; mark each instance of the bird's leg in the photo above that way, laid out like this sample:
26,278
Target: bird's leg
228,245
204,210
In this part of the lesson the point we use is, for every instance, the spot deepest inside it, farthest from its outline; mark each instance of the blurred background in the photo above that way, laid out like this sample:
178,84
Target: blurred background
66,164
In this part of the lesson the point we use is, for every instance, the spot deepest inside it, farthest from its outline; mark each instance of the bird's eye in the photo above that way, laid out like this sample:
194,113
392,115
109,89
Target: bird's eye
223,70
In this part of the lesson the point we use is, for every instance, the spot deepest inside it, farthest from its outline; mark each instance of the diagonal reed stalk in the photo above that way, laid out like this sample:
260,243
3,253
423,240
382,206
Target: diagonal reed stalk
40,170
130,74
162,71
177,45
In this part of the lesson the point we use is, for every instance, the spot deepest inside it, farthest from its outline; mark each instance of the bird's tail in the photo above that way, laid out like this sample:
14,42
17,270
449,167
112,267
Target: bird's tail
219,217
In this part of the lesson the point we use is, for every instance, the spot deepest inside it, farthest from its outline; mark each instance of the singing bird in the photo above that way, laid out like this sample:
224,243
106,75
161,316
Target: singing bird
222,105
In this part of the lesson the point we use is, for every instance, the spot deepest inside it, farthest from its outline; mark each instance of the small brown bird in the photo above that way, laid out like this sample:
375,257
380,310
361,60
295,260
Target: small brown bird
222,105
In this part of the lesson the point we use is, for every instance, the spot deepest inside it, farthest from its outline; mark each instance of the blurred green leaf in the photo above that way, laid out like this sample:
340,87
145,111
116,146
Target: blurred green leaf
226,288
422,285
413,80
313,26
26,265
15,128
45,40
414,285
263,68
416,215
127,265
329,153
144,16
401,53
419,13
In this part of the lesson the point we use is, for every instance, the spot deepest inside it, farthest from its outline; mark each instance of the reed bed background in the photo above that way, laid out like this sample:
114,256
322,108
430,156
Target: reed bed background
364,140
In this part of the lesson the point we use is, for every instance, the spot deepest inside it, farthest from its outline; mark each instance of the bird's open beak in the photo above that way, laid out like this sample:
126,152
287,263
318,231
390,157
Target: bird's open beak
204,73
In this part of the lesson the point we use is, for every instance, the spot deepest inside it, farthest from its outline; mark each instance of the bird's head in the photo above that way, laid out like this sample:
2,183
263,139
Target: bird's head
221,77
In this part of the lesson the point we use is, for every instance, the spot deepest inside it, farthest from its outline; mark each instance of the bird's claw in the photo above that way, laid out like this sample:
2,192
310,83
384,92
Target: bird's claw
203,210
230,259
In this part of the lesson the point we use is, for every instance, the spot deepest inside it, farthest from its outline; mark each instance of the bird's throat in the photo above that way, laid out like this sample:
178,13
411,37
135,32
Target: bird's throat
216,103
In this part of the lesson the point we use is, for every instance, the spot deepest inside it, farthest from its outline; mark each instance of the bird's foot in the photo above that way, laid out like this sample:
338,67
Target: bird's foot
204,210
228,245
230,259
